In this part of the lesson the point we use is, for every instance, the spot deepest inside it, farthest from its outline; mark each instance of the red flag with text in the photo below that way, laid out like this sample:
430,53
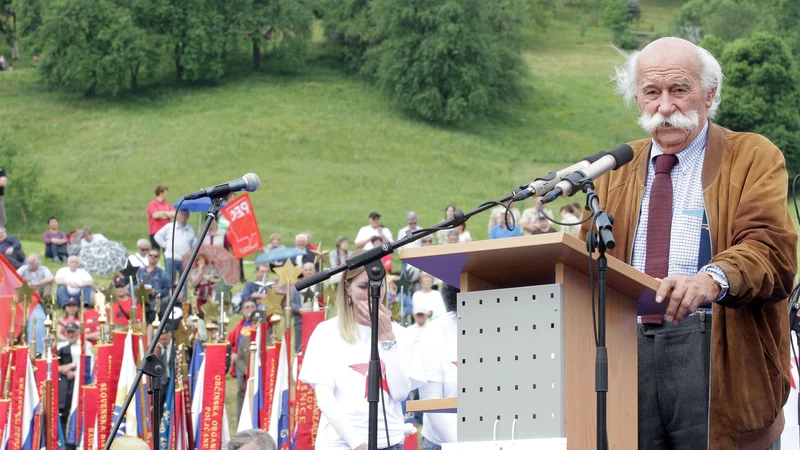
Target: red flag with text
243,233
9,281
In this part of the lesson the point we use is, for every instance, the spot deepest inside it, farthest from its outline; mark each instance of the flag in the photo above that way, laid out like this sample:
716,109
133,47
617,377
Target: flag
90,408
167,418
30,408
194,366
142,399
249,417
197,399
19,397
212,418
279,420
83,377
9,281
306,411
128,425
243,233
182,439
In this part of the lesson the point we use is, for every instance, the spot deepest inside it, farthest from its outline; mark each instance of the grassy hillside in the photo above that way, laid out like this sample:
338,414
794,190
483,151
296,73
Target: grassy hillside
327,146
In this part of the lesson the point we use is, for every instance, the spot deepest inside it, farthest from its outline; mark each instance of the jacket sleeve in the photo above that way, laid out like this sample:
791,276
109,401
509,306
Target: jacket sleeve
762,261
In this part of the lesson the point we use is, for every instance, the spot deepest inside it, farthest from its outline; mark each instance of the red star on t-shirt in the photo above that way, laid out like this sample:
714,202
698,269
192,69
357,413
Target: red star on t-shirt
363,369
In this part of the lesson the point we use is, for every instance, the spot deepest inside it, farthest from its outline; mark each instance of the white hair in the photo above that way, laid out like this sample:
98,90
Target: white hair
301,237
711,76
142,242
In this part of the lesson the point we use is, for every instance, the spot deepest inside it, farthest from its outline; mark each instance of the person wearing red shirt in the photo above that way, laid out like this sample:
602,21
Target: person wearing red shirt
159,213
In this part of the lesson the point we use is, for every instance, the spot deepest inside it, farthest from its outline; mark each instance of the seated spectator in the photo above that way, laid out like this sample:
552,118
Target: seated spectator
2,62
498,215
139,259
412,224
72,281
501,231
203,277
215,235
441,235
71,315
274,243
55,241
89,237
452,237
377,241
367,232
530,218
427,296
341,253
310,242
257,290
38,276
301,242
570,215
543,225
158,285
463,234
11,248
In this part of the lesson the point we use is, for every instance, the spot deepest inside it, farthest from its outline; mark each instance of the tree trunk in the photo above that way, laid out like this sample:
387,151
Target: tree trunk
92,89
256,55
15,50
134,76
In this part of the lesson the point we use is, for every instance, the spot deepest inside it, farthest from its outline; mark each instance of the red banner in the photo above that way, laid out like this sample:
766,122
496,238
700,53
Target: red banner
9,281
187,408
306,413
213,398
51,410
18,372
310,321
243,233
269,383
90,416
5,405
108,366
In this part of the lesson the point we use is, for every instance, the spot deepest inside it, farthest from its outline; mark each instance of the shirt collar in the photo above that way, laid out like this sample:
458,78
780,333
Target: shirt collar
696,146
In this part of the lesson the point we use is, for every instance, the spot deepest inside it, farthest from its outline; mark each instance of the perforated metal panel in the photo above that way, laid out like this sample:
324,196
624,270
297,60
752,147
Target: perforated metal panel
510,356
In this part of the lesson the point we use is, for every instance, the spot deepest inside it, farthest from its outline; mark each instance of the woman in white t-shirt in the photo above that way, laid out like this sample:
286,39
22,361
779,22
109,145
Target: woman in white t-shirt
439,360
336,365
426,294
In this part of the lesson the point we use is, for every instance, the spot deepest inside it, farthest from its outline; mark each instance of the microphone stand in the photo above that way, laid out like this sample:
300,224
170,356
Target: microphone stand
151,365
600,239
371,259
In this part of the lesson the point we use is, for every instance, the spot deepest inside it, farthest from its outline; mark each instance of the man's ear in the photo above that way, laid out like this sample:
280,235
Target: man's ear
710,97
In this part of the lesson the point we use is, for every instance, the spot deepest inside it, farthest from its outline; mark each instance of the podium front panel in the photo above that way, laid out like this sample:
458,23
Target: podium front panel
511,366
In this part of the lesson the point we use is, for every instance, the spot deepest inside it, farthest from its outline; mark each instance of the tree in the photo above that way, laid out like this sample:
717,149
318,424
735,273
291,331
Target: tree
446,60
616,15
762,93
347,25
89,45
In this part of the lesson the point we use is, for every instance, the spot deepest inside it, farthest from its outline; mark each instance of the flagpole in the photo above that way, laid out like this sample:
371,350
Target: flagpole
48,393
151,364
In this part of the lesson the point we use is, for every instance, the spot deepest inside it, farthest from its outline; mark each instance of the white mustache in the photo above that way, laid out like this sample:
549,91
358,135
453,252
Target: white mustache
679,120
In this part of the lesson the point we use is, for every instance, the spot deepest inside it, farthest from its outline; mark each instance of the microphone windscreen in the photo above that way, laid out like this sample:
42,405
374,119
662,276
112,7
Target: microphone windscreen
623,154
252,181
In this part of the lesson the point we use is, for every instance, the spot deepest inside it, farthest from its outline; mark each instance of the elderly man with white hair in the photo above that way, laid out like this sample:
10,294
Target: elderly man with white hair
139,259
704,210
38,276
74,282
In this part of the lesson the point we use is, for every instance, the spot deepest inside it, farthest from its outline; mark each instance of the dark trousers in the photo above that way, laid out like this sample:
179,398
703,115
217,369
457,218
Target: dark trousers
674,364
56,251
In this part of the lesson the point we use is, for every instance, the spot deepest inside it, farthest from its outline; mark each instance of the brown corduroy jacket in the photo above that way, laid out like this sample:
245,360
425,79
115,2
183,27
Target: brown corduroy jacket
754,242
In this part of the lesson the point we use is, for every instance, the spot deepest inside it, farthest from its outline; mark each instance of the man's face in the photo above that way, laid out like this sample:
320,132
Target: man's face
3,235
74,263
213,334
426,242
182,217
152,258
452,239
33,263
72,337
412,224
143,249
308,270
247,309
53,224
420,318
375,221
301,242
426,283
88,237
262,272
670,95
165,338
163,195
543,224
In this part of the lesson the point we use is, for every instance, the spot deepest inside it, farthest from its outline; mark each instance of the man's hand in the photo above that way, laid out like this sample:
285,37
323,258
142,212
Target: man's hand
688,293
9,250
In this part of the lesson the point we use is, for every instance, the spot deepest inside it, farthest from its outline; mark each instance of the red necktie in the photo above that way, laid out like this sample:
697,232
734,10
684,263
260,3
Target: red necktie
659,224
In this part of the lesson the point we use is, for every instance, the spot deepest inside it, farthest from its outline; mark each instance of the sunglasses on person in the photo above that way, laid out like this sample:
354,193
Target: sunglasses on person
153,255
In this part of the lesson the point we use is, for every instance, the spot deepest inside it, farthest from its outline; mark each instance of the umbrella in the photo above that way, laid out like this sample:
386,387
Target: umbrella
199,205
279,255
227,266
104,257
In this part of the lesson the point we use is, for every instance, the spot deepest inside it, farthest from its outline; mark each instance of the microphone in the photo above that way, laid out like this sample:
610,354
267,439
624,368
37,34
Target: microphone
571,184
249,183
545,184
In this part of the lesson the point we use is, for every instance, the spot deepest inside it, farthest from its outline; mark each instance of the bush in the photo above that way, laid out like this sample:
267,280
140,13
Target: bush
28,203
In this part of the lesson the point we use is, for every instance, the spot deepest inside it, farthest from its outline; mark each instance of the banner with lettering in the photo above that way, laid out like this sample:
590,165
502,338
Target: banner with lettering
51,408
306,411
90,403
243,233
18,372
211,415
106,387
270,378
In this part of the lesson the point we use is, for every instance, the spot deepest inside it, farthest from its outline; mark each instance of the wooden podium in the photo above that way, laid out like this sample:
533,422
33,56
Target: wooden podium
526,347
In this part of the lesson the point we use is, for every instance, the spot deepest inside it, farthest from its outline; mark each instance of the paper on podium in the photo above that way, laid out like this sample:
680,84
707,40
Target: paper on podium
518,444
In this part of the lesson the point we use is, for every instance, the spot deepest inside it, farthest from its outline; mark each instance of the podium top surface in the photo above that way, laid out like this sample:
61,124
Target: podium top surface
526,260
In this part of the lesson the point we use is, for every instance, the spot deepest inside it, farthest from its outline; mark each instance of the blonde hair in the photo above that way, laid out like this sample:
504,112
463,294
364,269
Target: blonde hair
129,443
344,307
